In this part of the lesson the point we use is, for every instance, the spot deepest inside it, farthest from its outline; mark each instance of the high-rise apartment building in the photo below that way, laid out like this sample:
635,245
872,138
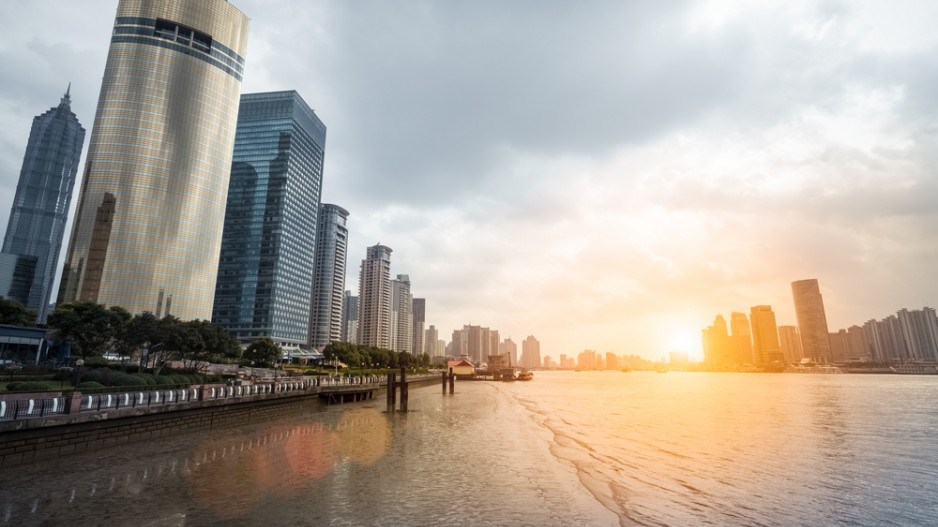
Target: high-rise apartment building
350,318
790,343
148,225
43,195
325,317
812,321
419,311
265,273
402,318
766,348
374,298
511,349
531,352
430,338
920,332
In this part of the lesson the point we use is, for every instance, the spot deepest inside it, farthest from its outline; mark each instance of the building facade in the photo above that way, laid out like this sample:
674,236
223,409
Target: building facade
350,318
265,273
766,348
148,224
402,317
43,195
790,343
530,352
741,337
812,321
374,298
419,312
326,309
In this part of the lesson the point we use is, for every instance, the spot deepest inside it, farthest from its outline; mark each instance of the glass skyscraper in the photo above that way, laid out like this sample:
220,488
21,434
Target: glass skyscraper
265,273
152,204
812,320
43,195
325,321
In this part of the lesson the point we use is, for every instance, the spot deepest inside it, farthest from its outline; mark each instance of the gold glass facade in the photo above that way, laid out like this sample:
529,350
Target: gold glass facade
151,211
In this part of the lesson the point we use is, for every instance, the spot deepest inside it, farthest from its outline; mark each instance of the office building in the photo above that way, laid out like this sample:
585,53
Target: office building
17,272
325,318
766,348
790,343
374,298
40,205
741,339
718,348
511,349
812,321
430,338
350,318
265,274
148,225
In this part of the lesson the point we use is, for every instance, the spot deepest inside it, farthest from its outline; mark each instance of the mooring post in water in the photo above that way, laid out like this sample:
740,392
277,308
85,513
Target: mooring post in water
404,394
443,374
392,400
452,381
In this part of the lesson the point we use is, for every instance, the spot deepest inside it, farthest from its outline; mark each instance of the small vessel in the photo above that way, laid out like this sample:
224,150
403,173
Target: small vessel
914,368
525,375
507,375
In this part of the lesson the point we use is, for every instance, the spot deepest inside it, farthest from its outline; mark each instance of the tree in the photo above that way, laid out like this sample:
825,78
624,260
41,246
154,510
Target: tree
220,345
16,314
262,352
94,327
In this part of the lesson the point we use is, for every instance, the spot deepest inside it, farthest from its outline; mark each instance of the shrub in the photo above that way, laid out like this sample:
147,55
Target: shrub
128,381
90,385
165,380
96,362
179,378
27,386
100,375
148,378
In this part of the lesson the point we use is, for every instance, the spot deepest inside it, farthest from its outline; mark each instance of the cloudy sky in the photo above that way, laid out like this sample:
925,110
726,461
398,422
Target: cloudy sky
604,175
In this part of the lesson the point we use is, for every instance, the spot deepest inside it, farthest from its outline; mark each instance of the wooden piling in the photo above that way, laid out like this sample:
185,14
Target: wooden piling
443,374
452,381
392,389
404,394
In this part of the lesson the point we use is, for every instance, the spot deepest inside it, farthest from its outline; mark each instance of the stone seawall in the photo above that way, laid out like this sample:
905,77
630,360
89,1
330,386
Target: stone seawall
28,445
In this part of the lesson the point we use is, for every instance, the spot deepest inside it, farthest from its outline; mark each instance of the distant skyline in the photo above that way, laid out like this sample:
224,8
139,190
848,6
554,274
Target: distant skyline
602,175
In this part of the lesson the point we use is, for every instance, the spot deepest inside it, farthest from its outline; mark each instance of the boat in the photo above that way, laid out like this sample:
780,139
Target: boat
914,368
507,375
525,375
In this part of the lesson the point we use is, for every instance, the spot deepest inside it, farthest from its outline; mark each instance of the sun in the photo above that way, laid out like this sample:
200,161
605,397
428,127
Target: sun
684,341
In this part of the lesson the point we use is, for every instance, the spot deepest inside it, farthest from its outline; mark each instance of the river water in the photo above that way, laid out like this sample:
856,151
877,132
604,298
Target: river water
588,448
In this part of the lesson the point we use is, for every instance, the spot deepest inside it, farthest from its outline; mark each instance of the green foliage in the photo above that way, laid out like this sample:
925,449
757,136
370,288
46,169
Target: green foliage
96,362
16,314
27,386
90,385
165,380
92,326
262,352
128,380
356,356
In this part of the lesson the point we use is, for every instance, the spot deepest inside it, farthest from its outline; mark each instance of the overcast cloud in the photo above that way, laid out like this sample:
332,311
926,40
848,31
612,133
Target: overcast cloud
605,175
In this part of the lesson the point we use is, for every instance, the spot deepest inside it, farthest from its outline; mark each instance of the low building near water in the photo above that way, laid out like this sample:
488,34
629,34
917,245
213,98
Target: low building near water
461,367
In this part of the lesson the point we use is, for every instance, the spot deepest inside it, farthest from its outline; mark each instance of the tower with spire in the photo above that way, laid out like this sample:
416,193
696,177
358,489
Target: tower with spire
40,207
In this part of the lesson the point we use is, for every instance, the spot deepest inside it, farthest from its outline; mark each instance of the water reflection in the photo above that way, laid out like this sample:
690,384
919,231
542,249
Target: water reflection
224,472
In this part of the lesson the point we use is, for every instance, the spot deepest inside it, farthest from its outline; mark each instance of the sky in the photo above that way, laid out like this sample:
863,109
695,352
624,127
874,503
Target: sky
601,175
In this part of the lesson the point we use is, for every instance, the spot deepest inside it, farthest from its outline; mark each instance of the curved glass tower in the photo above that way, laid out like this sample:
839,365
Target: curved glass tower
152,206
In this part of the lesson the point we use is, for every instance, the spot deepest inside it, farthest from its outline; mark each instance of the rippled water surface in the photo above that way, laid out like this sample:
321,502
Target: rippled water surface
568,448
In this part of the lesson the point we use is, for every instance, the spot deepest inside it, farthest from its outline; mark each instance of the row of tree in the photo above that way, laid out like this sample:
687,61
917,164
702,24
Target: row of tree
94,330
356,356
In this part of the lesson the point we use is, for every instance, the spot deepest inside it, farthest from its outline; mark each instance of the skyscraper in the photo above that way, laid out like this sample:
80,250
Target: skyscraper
430,338
509,347
812,321
265,273
325,322
374,298
402,318
148,224
43,196
717,346
350,318
790,343
765,335
741,337
420,317
531,352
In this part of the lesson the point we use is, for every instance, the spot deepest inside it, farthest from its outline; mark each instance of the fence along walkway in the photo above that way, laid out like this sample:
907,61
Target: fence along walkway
39,406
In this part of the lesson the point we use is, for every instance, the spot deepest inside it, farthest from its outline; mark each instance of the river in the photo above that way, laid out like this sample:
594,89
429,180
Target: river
587,448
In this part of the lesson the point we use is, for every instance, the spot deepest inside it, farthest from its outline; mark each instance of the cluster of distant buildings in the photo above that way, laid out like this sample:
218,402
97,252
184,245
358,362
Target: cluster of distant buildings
200,202
758,341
